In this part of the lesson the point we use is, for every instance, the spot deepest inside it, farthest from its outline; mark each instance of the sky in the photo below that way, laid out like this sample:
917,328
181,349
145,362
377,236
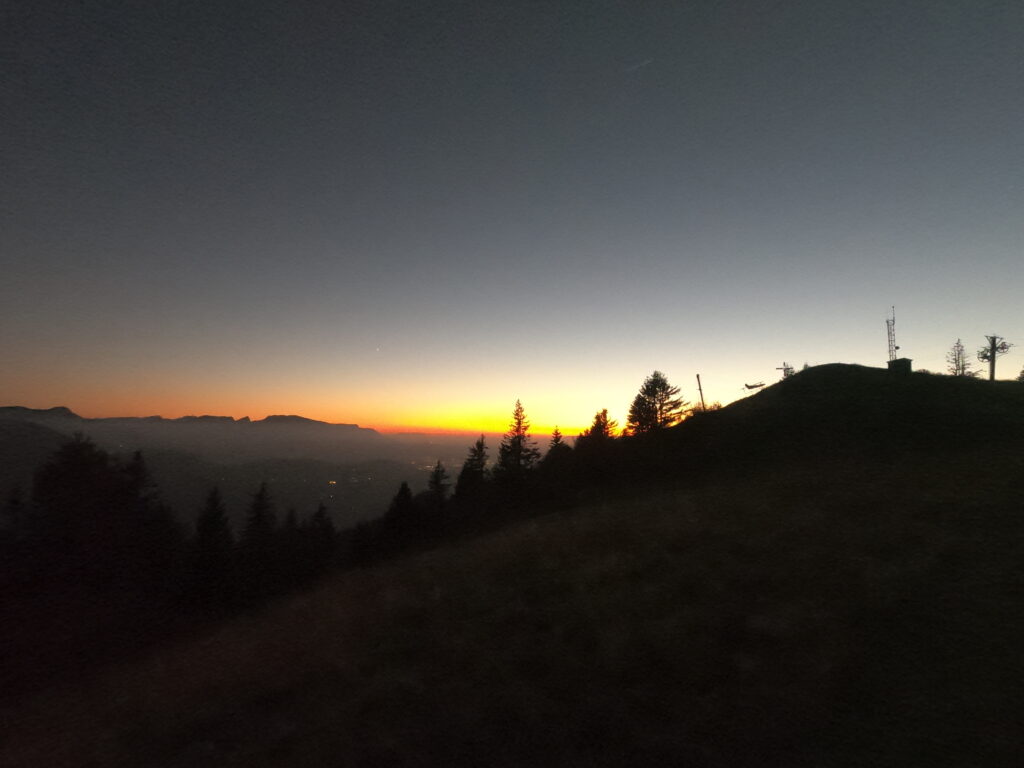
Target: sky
407,215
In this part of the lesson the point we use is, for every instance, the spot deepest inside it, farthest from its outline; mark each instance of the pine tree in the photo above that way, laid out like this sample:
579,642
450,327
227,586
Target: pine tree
957,362
438,484
212,551
473,473
97,516
556,465
259,551
260,524
139,481
558,449
321,524
402,506
517,453
656,406
213,531
322,537
600,432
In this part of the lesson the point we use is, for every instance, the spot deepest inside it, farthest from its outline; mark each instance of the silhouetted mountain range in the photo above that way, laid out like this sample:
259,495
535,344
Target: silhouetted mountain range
351,469
218,438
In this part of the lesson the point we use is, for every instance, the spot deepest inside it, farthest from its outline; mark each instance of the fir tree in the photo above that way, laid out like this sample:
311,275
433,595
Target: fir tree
213,531
402,506
957,362
96,517
517,453
600,432
321,524
473,473
558,449
438,484
260,524
259,553
212,550
656,406
322,538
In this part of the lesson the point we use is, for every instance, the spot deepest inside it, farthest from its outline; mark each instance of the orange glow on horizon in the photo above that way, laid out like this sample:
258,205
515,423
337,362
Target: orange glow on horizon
455,429
429,407
455,422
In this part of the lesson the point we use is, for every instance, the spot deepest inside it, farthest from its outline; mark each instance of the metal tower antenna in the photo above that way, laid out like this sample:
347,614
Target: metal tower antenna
890,326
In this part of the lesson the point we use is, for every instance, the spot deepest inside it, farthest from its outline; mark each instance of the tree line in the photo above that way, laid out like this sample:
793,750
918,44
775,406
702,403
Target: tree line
96,523
94,540
485,493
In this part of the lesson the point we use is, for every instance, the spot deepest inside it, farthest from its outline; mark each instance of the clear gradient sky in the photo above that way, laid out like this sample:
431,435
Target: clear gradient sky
408,214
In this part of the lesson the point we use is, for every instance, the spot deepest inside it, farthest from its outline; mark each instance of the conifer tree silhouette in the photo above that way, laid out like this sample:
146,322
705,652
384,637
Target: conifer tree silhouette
321,524
517,453
599,433
212,551
322,536
473,473
655,406
98,518
260,524
402,504
438,484
957,363
257,548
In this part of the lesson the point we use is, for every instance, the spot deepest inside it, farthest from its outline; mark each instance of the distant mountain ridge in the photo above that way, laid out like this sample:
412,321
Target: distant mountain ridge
219,438
187,456
297,456
22,413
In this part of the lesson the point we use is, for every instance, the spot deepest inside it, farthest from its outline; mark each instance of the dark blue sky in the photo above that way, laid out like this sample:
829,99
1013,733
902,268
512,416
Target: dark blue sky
410,213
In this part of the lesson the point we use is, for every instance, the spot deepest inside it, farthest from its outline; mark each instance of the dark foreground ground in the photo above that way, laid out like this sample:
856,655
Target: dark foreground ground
840,615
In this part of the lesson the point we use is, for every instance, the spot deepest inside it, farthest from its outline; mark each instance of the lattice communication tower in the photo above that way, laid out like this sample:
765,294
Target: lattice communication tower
890,326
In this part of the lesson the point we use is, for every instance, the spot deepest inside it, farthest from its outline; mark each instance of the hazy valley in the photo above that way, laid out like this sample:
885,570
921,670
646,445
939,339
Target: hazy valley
352,470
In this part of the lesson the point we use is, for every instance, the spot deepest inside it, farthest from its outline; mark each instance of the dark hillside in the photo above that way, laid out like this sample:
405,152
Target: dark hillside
828,573
23,447
851,411
844,618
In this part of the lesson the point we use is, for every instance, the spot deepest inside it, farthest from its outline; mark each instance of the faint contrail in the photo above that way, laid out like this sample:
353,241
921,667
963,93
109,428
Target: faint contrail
638,65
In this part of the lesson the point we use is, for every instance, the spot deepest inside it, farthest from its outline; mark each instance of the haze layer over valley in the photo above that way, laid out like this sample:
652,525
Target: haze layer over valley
352,470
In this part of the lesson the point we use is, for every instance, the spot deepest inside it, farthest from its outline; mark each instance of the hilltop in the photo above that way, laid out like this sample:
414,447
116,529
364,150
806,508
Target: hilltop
848,596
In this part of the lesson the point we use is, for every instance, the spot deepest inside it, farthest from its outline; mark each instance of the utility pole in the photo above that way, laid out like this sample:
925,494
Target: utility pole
996,346
701,390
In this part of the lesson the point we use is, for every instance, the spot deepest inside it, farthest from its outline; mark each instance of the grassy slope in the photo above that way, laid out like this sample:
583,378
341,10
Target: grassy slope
837,611
787,619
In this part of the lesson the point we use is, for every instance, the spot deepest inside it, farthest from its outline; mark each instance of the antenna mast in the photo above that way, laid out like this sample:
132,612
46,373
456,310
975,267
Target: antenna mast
890,326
